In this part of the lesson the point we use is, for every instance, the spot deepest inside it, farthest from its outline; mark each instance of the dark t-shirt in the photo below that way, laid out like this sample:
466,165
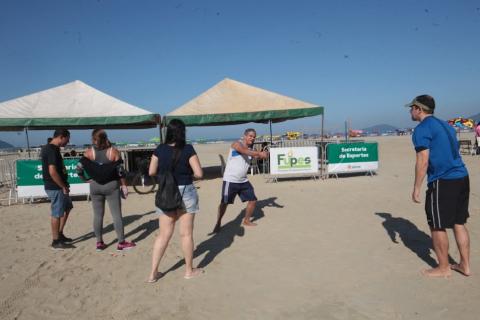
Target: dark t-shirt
182,172
50,155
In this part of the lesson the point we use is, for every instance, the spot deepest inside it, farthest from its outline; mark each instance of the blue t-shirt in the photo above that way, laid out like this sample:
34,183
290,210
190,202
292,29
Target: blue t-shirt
182,172
444,161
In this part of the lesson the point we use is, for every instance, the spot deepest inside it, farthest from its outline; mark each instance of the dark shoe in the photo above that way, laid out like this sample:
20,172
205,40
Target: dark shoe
62,238
125,245
60,245
101,246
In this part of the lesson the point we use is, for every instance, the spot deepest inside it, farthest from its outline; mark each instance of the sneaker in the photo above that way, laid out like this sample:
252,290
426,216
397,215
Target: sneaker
60,245
101,246
62,238
125,245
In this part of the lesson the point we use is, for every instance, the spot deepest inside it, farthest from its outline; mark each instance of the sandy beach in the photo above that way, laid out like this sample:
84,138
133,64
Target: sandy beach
347,248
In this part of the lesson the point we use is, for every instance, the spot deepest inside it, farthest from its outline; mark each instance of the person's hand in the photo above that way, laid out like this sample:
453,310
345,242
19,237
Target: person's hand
263,155
66,190
416,195
124,191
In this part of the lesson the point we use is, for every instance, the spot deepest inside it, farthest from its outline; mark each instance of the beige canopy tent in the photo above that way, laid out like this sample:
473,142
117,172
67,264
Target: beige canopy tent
234,102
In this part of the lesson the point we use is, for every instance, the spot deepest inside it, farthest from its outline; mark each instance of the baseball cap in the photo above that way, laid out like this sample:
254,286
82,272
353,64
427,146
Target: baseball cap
424,101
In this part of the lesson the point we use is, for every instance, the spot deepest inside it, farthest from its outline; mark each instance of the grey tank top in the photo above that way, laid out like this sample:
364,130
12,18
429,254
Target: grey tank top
101,156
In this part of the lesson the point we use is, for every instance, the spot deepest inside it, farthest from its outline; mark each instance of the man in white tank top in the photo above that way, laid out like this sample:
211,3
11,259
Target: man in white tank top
235,181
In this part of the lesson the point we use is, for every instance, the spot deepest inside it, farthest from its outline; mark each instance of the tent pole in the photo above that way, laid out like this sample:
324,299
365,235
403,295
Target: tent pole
163,129
346,131
160,129
271,139
322,149
28,142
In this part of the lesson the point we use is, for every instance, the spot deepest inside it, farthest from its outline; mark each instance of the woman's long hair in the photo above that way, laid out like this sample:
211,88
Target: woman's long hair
100,139
176,133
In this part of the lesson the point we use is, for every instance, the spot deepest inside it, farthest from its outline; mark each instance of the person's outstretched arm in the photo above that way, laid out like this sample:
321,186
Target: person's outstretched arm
246,151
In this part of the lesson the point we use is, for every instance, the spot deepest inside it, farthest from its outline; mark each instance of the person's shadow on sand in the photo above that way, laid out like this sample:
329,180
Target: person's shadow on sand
148,228
225,237
145,229
414,239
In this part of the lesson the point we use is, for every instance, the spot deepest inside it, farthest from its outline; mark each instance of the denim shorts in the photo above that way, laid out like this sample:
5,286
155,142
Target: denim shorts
190,199
61,202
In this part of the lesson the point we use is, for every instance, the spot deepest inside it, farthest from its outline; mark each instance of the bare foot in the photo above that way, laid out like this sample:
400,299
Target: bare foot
460,269
195,272
436,273
249,223
154,278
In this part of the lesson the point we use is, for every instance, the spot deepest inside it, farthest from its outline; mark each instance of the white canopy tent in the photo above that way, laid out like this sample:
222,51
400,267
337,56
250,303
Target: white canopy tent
74,105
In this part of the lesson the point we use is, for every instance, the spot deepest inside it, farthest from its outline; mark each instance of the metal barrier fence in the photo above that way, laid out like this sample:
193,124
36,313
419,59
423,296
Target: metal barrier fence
8,178
8,173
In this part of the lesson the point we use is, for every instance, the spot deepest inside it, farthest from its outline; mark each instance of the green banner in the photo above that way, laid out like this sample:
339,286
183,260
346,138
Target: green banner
352,152
29,172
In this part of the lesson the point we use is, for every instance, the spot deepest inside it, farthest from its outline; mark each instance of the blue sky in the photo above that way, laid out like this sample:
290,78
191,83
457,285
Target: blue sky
361,60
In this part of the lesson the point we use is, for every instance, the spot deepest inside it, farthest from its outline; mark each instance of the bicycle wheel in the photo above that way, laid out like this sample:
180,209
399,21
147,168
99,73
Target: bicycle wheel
143,183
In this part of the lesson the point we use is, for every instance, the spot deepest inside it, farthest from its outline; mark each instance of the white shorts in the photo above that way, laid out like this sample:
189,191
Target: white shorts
189,199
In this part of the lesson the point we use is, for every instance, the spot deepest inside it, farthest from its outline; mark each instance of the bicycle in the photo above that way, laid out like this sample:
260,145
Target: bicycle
142,182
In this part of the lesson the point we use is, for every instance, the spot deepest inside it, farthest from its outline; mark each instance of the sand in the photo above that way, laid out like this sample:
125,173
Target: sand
348,248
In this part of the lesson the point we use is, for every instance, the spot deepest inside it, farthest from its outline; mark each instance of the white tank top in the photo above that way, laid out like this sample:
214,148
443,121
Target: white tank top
237,166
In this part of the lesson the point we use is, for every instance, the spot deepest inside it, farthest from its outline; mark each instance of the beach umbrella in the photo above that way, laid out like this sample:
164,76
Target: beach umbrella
462,123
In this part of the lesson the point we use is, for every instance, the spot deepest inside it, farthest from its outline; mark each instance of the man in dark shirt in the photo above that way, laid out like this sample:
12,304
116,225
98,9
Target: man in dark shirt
55,180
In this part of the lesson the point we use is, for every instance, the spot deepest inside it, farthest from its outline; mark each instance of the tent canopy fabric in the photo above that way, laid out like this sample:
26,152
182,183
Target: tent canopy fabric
74,105
234,102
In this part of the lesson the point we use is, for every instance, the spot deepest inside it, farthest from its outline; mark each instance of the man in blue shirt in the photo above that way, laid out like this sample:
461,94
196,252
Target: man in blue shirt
446,203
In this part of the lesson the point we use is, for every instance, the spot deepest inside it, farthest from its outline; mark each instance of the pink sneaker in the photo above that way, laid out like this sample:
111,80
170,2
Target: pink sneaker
125,245
101,246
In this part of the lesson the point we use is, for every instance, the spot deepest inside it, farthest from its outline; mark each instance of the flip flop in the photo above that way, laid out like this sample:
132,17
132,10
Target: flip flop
157,276
195,273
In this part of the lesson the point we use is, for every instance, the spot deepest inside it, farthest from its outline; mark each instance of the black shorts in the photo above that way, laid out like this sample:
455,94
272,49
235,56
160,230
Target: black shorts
446,203
244,190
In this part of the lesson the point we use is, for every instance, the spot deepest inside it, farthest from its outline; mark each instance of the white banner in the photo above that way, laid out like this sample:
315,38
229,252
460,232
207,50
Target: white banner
77,189
352,167
294,160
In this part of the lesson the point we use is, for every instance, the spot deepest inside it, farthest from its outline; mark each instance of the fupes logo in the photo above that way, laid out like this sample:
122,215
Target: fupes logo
288,161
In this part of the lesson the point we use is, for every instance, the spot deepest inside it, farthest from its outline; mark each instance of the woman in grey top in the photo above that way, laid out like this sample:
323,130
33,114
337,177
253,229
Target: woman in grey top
102,152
